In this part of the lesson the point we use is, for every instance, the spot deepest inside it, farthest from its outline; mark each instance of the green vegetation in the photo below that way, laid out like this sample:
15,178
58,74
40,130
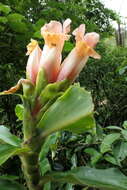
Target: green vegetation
103,153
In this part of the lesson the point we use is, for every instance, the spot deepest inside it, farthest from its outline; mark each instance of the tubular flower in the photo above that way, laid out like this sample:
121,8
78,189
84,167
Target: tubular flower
54,34
76,60
34,52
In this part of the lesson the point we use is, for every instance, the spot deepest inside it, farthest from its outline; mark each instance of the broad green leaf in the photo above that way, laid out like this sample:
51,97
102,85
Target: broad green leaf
9,138
108,179
95,155
110,159
10,185
16,22
120,151
108,141
19,110
4,8
50,140
73,111
7,150
124,133
44,166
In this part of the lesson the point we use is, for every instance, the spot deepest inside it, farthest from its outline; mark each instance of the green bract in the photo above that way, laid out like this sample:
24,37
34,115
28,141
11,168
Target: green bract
73,111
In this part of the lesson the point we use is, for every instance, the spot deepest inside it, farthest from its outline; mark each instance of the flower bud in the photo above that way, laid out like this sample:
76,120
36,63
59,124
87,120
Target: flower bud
76,60
34,53
54,35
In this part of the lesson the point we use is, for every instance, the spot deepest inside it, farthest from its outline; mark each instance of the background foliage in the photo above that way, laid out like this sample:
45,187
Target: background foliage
21,20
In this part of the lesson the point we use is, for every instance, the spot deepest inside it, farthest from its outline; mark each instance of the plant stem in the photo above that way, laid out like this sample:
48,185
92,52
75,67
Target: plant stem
31,171
30,159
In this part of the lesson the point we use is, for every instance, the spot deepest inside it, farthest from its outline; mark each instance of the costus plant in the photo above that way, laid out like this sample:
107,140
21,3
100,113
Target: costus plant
52,102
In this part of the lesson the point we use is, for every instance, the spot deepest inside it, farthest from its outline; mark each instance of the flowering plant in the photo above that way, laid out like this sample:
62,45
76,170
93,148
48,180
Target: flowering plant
51,102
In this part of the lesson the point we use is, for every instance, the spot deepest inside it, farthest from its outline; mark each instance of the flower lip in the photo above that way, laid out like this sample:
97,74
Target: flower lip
54,33
91,39
79,33
56,27
86,42
31,46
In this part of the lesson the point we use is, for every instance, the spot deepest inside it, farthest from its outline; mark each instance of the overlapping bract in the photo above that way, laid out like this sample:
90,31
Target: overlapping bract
50,58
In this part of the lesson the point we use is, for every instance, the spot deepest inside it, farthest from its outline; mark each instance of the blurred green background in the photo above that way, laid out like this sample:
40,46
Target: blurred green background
21,20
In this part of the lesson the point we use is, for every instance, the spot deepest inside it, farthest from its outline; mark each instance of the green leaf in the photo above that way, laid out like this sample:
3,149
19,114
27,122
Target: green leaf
41,82
108,141
99,132
110,159
19,110
73,111
120,151
122,70
114,128
3,19
7,150
44,166
109,179
51,90
47,186
39,24
10,185
50,140
9,177
95,155
124,133
9,138
16,22
125,124
69,187
4,8
37,34
68,46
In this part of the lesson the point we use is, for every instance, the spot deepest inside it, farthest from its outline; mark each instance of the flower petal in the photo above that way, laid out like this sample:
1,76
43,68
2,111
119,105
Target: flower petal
53,27
79,33
54,35
32,68
66,26
92,39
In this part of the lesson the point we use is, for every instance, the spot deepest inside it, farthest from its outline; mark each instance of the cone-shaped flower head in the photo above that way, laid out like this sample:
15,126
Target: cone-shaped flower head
54,34
34,52
76,60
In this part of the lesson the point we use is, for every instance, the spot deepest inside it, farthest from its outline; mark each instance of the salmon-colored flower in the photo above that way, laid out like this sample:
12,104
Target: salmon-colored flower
54,34
34,53
76,60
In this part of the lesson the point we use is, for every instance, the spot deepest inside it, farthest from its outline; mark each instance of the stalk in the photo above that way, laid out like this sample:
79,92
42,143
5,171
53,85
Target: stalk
30,160
31,171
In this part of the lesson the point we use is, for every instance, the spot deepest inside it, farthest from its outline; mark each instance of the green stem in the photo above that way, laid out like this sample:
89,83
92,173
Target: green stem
31,171
28,121
30,159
